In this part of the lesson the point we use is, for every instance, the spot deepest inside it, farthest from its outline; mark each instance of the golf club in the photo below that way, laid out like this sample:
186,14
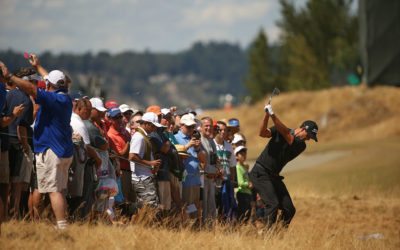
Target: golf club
275,92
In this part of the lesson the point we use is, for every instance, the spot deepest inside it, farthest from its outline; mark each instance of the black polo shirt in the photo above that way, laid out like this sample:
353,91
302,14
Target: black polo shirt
278,152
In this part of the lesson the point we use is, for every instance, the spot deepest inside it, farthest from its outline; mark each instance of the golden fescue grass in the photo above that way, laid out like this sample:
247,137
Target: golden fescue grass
368,169
321,223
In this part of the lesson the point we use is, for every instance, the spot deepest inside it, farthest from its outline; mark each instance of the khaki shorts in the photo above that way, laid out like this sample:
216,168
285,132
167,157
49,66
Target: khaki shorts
4,168
191,195
25,169
52,172
164,193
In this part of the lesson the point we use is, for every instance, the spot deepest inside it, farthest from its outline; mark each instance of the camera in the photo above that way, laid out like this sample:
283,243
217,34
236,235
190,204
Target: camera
196,135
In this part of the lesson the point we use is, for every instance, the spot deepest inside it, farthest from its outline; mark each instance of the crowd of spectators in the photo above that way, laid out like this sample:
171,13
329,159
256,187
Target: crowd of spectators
86,156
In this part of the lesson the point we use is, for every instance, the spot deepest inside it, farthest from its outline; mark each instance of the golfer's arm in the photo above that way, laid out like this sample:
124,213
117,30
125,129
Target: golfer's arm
282,129
264,131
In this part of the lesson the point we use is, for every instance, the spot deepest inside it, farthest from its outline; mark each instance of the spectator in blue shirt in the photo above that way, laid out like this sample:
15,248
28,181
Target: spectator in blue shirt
52,138
191,177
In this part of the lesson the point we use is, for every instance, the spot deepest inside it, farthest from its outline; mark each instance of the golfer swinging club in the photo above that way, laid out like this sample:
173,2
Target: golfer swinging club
285,145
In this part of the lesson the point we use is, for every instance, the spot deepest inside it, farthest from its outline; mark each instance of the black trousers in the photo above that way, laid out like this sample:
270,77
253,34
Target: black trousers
274,194
244,206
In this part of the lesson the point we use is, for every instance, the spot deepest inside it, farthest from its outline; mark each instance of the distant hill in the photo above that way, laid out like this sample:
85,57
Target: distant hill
344,114
195,77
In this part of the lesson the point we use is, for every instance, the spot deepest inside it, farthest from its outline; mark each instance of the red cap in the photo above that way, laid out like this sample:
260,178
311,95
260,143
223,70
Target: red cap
111,104
41,85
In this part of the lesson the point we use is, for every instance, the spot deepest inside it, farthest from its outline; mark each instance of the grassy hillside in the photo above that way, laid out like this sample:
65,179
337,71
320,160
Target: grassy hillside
344,115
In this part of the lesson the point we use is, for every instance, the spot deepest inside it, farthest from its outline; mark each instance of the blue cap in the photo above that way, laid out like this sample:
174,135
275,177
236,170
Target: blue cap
76,95
233,122
114,112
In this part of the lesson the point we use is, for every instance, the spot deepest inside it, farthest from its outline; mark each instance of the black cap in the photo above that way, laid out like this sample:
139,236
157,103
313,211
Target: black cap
311,128
189,110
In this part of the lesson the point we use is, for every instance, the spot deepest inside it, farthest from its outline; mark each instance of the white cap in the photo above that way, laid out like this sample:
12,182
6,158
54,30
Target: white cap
238,149
35,77
237,138
165,111
97,103
125,107
57,78
152,118
188,120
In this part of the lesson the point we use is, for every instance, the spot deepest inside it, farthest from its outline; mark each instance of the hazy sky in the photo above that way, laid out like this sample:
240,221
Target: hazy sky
119,25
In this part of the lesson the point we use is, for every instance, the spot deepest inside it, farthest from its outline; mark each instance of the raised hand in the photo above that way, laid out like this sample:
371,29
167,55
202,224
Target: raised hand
18,110
34,60
268,109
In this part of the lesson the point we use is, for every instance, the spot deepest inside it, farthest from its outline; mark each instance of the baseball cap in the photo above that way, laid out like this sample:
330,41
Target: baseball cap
137,111
238,149
97,103
311,128
33,77
114,112
41,84
125,107
154,108
165,111
191,111
57,78
110,104
99,141
188,120
233,122
152,118
237,138
76,95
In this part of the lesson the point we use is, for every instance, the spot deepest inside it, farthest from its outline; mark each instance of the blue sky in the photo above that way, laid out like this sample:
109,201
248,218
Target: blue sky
118,25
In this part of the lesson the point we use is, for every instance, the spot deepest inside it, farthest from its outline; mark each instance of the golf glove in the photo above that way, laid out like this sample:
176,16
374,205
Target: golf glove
268,108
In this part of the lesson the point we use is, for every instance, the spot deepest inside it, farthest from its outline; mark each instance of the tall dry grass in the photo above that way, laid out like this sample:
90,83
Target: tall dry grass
321,223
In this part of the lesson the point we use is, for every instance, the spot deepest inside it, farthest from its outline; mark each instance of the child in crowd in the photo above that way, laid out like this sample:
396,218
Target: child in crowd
244,194
107,187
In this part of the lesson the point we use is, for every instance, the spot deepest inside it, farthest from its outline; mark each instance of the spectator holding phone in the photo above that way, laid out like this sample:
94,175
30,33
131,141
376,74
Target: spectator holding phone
52,137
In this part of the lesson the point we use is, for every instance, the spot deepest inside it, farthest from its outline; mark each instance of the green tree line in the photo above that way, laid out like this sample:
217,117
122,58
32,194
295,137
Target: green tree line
318,48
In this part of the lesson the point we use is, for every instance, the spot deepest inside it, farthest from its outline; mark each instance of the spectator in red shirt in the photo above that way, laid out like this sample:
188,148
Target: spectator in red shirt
119,142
